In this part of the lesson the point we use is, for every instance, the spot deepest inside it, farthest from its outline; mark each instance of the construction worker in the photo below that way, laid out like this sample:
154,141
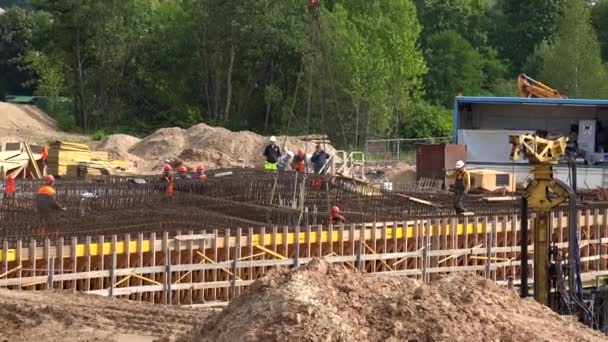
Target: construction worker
272,152
166,180
461,185
45,197
182,173
44,158
335,217
318,159
299,159
284,163
10,187
200,172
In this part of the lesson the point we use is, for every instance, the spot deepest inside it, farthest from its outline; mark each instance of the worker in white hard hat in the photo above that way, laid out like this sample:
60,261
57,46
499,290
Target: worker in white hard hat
284,163
461,185
272,153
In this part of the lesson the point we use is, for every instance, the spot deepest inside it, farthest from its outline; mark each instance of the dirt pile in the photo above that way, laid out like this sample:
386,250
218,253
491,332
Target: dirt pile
26,122
212,146
118,142
401,174
61,316
321,302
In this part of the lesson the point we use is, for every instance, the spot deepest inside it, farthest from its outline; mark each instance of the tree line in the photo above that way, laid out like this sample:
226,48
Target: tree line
353,69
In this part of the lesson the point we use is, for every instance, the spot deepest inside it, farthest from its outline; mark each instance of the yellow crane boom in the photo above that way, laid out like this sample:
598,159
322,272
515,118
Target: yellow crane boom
529,87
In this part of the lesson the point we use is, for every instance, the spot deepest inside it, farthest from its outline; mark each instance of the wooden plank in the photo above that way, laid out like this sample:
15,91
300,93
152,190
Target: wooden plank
74,258
140,260
18,258
87,251
152,258
5,260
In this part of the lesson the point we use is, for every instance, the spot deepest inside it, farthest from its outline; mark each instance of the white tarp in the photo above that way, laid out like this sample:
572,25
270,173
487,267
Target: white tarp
488,145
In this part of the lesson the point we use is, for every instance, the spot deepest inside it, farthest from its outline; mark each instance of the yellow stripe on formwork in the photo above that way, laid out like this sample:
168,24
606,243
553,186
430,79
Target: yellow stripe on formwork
262,240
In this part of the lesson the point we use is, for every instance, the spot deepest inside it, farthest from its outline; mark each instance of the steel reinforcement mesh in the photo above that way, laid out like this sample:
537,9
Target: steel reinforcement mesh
233,198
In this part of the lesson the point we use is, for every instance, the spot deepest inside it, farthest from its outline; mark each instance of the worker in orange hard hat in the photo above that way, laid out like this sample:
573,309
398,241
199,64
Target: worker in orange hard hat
335,217
166,180
299,161
10,187
200,173
182,173
44,158
45,197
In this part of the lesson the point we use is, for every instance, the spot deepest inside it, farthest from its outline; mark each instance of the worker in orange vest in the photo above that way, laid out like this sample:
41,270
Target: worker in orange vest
167,180
335,217
298,161
45,197
200,172
10,186
45,155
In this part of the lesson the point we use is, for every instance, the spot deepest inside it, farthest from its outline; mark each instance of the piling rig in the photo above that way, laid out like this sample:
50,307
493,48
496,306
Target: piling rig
542,194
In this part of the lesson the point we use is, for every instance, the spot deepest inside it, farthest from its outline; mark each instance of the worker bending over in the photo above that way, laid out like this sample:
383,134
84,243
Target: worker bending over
284,163
45,197
462,185
335,217
166,180
272,152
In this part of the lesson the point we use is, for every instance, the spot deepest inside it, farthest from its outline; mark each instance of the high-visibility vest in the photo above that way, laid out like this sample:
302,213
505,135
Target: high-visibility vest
170,186
11,186
45,153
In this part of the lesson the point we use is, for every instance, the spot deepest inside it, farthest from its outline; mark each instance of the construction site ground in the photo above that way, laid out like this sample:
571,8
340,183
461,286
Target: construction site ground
322,302
316,302
65,316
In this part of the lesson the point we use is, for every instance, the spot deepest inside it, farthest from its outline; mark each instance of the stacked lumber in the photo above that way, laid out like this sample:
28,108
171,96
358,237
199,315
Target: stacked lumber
100,156
64,156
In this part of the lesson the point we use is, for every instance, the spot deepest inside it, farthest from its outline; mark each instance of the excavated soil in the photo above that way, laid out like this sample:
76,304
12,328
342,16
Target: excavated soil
211,146
26,122
118,143
401,174
321,302
61,316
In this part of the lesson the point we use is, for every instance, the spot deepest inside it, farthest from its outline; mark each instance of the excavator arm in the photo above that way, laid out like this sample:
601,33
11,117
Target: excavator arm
529,87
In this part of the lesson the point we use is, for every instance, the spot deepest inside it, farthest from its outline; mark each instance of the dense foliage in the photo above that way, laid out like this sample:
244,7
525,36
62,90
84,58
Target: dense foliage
354,69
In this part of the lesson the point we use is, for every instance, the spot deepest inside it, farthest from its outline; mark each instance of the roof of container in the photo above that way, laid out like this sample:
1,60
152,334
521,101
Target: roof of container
527,100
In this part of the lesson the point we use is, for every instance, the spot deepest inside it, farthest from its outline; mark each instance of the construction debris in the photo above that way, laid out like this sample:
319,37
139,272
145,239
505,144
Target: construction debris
323,302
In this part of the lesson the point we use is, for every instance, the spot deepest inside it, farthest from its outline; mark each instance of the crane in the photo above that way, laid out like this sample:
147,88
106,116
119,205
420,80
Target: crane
529,87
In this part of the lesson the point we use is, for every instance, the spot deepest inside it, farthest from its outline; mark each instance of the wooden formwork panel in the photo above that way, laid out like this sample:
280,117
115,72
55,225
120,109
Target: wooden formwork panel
211,266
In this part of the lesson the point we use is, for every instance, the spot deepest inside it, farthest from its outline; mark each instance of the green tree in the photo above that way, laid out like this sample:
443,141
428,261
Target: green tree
425,120
454,65
16,35
518,26
467,17
572,63
599,14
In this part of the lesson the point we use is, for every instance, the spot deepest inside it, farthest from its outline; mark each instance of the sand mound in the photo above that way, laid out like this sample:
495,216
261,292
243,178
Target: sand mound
118,142
62,316
26,122
212,146
321,302
401,174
